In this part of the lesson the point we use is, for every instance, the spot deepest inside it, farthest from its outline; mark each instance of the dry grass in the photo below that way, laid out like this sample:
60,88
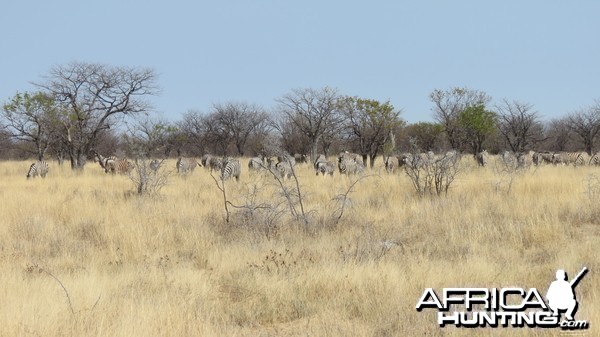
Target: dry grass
169,265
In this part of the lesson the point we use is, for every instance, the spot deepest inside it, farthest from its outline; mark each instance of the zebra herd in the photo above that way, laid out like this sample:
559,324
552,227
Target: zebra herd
524,159
347,163
419,160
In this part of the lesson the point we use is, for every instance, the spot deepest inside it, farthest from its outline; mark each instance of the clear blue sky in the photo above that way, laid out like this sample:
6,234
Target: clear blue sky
542,52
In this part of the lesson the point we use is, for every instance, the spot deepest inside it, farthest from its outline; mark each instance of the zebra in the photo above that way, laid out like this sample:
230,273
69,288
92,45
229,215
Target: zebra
350,156
595,159
255,164
102,160
284,169
482,158
349,166
39,168
286,159
567,158
205,161
324,167
231,168
186,165
215,164
317,163
452,157
416,161
155,164
539,158
121,166
300,158
392,163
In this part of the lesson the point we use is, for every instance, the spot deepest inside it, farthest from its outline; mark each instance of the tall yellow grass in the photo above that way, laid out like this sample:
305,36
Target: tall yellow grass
169,265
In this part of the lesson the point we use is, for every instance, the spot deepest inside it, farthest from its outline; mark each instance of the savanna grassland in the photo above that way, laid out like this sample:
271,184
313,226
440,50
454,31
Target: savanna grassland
82,254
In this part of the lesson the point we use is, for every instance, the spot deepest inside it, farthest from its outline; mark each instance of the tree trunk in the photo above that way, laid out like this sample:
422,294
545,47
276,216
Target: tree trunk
313,150
372,158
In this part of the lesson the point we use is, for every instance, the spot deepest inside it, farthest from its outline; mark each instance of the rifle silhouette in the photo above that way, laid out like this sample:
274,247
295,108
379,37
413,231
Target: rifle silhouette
578,277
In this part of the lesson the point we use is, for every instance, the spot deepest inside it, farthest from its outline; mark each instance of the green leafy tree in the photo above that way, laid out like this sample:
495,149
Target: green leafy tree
477,123
425,134
27,116
448,104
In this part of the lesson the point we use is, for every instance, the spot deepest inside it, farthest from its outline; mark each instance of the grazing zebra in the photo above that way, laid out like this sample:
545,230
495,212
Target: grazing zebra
102,160
567,158
324,167
542,157
320,159
186,165
482,158
392,163
348,166
121,166
231,168
39,168
255,164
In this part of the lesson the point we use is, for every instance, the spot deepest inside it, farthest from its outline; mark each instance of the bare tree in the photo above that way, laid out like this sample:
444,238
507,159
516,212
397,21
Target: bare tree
448,104
519,124
27,118
94,97
312,112
148,136
558,135
238,122
586,124
194,128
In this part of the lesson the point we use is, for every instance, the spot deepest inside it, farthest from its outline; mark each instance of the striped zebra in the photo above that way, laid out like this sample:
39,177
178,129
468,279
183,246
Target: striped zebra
120,166
595,159
482,158
325,167
102,160
186,165
231,168
568,158
39,168
349,166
